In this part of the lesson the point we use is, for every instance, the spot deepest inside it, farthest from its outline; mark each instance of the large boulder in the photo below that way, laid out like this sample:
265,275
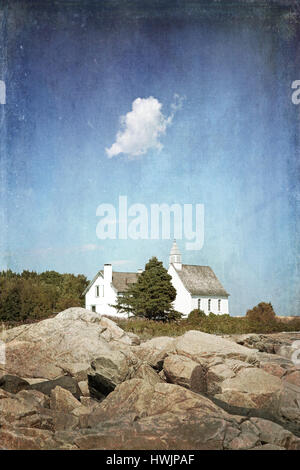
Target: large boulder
30,359
140,415
183,371
251,387
139,398
65,343
200,346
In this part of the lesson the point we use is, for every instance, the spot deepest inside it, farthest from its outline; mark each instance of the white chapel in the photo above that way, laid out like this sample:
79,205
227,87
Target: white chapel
196,287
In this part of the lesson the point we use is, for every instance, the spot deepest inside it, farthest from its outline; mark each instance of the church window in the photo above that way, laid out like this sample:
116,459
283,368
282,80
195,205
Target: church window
99,291
209,304
219,305
199,304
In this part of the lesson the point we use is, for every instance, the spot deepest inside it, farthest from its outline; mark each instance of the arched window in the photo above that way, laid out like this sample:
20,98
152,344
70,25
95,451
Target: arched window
209,304
219,305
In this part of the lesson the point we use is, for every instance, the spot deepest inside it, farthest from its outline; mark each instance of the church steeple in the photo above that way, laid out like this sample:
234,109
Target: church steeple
175,256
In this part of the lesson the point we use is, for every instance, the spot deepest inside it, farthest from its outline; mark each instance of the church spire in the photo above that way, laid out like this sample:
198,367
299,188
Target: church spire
175,256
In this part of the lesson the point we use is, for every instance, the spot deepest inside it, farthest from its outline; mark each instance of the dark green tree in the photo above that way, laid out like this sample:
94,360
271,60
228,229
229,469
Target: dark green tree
10,300
31,295
151,296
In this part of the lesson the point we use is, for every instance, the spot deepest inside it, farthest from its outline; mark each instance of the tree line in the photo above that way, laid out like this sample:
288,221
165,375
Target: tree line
32,295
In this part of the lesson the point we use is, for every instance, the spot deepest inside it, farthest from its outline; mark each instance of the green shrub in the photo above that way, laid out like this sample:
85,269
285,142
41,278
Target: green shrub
196,315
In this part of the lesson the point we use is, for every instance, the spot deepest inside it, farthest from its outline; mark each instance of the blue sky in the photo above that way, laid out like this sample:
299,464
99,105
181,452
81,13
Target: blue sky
72,72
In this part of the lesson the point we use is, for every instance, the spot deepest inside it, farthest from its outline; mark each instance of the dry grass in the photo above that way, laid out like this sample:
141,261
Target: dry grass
214,324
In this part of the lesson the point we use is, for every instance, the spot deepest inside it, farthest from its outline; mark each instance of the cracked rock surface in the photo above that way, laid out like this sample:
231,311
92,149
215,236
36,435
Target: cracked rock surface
78,381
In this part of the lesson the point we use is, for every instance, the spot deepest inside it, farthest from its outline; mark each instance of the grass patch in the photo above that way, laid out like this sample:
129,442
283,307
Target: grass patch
213,324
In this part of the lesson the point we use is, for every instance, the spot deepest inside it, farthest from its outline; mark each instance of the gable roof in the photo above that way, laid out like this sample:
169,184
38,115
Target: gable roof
120,281
200,280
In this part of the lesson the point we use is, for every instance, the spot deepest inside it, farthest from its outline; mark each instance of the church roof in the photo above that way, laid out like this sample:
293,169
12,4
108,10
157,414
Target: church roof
201,280
120,281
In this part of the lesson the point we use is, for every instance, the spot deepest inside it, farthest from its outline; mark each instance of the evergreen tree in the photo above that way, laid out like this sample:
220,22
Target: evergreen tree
33,295
151,296
10,300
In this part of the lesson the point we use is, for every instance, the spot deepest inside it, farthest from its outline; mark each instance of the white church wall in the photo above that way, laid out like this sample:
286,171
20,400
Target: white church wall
214,304
183,301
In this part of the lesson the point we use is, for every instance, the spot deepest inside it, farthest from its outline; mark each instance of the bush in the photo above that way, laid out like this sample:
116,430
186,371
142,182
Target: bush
262,319
262,313
196,315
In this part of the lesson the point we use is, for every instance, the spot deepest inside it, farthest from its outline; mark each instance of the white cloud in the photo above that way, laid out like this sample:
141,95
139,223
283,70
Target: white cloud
143,127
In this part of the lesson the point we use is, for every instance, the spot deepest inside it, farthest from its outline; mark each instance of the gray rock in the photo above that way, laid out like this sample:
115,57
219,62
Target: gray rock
183,371
66,382
30,359
108,370
73,338
199,346
13,384
62,400
155,350
146,372
252,388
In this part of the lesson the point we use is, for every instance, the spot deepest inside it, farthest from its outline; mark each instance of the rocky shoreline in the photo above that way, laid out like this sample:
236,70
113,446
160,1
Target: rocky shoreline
77,381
